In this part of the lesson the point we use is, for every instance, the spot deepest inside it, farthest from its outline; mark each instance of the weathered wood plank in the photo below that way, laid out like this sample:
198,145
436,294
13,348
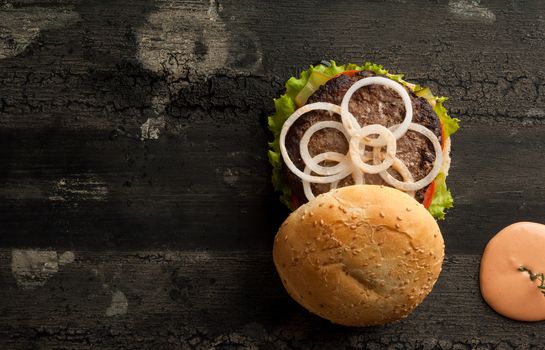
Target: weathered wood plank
133,135
177,299
209,188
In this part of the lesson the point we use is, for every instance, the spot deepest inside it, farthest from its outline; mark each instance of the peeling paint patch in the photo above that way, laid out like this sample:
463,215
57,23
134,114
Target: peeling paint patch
32,268
66,258
119,305
471,9
185,39
179,36
84,188
213,10
151,129
20,26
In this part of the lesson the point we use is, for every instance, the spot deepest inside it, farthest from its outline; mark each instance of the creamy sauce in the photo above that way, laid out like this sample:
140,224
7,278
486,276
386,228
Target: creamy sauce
509,291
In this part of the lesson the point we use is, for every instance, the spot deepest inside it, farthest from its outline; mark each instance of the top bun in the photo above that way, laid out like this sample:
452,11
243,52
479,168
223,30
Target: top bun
360,255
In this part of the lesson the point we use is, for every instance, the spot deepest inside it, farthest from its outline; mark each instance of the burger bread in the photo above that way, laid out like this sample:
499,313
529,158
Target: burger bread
360,255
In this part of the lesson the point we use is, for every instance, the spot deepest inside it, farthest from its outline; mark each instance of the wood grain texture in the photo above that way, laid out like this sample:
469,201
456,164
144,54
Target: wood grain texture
209,299
133,134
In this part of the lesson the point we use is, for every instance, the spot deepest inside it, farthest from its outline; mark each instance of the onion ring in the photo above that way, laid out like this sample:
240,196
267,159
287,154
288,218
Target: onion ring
426,180
338,157
305,154
357,177
399,167
362,134
351,124
289,163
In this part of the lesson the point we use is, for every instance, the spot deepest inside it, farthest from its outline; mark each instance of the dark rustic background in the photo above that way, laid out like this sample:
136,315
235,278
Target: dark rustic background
135,204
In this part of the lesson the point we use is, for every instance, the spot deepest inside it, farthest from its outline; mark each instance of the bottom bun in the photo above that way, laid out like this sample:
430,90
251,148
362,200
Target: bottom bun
359,255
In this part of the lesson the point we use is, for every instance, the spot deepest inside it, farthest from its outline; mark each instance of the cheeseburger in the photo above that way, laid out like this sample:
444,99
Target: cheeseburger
348,125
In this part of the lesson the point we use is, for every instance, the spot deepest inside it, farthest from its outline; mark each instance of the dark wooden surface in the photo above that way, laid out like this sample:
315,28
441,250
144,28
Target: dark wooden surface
135,204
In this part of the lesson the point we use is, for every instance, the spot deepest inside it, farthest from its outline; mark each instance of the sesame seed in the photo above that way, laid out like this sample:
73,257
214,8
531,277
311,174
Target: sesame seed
398,218
397,226
381,214
408,209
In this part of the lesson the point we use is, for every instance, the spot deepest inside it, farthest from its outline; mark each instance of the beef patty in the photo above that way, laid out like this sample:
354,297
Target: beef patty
373,104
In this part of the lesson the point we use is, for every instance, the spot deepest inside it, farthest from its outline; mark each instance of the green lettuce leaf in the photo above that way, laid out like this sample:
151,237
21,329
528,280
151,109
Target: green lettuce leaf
450,125
442,199
294,85
285,106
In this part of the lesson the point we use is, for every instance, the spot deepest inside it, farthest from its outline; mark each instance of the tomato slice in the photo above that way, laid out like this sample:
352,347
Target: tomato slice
295,202
350,73
428,196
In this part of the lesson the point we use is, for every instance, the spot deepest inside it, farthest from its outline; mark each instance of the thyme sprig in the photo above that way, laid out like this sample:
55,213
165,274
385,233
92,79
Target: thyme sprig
533,277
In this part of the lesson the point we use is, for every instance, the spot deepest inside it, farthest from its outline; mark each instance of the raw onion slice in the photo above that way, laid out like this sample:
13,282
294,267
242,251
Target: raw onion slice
405,173
334,156
285,156
351,124
357,177
398,166
362,135
426,180
307,158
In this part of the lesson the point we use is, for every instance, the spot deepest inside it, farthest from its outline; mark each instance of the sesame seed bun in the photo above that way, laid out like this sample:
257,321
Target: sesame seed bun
360,255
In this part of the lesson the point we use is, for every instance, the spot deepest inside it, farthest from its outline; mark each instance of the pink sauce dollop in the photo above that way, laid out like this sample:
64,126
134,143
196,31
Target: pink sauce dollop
508,290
